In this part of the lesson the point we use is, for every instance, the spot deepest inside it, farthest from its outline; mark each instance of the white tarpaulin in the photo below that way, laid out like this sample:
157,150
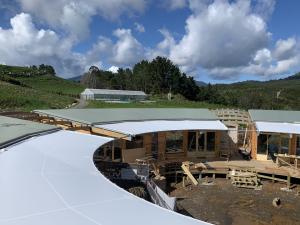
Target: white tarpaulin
134,128
288,128
52,180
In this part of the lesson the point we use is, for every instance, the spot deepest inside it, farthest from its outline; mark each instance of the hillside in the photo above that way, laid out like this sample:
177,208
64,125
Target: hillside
27,88
273,94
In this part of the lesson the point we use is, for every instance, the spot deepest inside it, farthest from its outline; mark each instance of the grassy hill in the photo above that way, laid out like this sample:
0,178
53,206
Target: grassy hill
24,88
273,94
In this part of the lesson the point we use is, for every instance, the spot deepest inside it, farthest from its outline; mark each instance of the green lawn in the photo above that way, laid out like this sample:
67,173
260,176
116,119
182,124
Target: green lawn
156,104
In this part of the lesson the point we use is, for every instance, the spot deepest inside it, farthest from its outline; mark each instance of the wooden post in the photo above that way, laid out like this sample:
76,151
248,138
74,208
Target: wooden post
217,143
253,142
148,144
293,145
185,142
161,145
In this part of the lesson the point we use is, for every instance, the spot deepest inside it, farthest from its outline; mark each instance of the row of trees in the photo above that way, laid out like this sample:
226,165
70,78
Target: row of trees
160,76
43,69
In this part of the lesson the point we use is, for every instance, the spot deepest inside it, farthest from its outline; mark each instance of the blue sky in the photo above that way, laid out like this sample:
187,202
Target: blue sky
216,41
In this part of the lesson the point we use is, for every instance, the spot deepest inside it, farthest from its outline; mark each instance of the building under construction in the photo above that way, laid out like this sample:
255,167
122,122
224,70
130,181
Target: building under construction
156,147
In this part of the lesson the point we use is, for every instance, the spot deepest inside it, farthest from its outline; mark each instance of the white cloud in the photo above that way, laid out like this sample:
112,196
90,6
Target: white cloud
264,8
285,49
175,4
113,69
124,52
223,35
127,50
76,15
24,44
139,27
162,48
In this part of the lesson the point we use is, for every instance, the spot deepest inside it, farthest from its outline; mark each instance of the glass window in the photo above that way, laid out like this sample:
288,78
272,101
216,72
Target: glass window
201,141
117,150
285,139
211,141
262,144
136,142
192,135
174,141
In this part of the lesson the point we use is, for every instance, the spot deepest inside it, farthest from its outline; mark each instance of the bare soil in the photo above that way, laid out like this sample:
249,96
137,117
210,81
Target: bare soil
222,203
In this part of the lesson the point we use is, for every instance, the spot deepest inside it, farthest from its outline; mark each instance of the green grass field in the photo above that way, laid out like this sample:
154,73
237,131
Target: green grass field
25,93
158,102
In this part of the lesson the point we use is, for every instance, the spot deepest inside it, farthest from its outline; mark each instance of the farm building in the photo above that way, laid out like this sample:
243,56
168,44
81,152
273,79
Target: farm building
113,95
274,132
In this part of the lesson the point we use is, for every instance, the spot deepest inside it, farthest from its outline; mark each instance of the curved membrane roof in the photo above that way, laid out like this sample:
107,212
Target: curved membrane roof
51,179
134,128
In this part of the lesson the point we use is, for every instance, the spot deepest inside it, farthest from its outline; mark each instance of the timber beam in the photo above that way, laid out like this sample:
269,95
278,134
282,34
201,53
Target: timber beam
101,131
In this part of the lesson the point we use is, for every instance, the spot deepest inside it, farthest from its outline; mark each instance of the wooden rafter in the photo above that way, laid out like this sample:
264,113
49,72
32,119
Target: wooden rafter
101,131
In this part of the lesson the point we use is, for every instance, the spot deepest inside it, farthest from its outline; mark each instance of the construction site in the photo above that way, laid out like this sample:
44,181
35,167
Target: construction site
223,166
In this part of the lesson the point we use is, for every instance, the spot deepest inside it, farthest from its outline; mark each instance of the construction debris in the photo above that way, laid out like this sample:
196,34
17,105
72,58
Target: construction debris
244,179
276,202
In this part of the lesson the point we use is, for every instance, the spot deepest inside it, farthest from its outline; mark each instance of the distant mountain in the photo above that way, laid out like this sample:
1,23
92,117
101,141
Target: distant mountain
273,94
76,79
293,77
200,83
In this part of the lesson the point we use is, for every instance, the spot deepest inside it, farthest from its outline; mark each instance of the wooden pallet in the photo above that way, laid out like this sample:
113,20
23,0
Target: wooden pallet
245,180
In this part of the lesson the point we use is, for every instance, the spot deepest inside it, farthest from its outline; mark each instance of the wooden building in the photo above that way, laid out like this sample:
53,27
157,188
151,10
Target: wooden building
274,132
161,134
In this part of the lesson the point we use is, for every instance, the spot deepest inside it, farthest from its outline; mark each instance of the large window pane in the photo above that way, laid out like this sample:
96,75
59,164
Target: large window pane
262,144
192,141
201,141
174,141
285,144
117,150
136,142
211,141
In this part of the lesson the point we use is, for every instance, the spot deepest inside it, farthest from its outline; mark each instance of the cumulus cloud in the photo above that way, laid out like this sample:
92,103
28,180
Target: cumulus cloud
162,48
285,49
76,15
24,44
222,35
139,27
113,69
124,52
127,50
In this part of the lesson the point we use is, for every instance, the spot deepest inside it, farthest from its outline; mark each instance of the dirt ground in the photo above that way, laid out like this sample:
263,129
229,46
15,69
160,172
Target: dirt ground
221,203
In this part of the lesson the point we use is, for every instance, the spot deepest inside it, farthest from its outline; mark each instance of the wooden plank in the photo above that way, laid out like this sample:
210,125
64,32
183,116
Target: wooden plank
161,145
253,142
218,143
185,168
96,130
147,142
185,142
293,145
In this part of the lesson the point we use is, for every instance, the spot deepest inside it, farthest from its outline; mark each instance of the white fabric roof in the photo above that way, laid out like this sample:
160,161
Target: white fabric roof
288,128
51,180
134,128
